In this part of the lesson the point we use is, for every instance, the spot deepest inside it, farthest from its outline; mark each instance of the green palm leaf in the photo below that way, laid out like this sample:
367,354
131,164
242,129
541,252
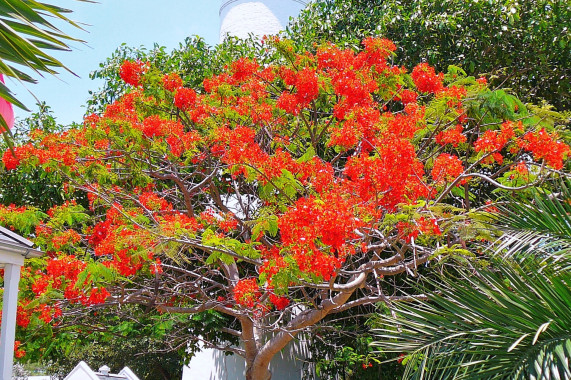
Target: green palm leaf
507,324
26,36
511,320
540,228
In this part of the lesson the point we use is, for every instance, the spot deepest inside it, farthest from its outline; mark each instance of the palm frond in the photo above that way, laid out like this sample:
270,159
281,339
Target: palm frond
547,213
509,324
540,228
26,36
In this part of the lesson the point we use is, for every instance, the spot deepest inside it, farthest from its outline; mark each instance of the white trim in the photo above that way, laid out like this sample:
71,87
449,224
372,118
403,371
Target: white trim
11,258
83,369
4,232
19,249
128,374
9,308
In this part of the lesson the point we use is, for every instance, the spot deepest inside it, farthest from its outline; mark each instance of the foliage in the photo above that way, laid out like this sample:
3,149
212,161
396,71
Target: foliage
510,320
273,195
341,348
523,45
33,187
117,338
193,61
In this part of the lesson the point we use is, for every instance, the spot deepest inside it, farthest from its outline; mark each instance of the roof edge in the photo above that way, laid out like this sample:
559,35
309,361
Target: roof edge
14,236
28,253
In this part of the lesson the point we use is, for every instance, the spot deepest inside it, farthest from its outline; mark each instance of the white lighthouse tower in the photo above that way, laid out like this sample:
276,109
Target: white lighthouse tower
261,17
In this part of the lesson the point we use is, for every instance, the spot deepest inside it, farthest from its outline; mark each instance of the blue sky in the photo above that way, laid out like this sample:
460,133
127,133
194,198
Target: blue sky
109,24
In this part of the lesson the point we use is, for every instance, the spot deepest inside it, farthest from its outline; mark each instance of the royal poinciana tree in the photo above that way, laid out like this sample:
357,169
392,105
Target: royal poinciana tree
275,195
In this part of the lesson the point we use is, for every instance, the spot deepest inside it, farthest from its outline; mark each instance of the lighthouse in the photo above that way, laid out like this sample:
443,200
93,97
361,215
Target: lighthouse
239,18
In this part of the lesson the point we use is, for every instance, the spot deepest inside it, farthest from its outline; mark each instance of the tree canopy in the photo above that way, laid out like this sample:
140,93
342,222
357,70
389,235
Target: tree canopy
271,196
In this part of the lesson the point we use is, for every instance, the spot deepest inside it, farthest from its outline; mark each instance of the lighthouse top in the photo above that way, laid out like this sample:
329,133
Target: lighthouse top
261,17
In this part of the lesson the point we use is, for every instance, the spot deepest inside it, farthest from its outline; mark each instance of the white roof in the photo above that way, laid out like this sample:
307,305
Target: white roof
83,372
12,242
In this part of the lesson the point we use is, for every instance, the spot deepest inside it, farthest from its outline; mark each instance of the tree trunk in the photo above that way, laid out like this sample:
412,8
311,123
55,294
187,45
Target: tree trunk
255,371
258,356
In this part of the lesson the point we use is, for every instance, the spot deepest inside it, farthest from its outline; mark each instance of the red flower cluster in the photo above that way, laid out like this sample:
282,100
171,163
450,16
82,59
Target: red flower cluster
522,170
11,159
451,136
172,82
392,176
97,296
185,98
247,292
546,147
132,72
69,237
173,223
311,224
23,315
446,168
182,143
407,231
311,219
426,79
288,102
494,141
273,263
153,202
279,302
407,96
428,226
47,313
243,69
378,50
17,351
53,147
306,85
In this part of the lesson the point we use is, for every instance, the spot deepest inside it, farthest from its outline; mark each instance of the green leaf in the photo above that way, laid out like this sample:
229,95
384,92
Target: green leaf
308,155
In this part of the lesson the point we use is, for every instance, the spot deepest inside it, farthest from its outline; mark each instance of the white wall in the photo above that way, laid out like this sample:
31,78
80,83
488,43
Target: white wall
264,17
212,364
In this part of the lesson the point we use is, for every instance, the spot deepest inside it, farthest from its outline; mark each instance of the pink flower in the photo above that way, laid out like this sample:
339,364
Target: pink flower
6,109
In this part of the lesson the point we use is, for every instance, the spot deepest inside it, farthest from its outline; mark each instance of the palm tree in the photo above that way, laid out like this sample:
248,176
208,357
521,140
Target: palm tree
508,320
26,37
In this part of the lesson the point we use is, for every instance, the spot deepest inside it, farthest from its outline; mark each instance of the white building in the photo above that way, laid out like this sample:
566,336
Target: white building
263,17
83,372
210,364
13,250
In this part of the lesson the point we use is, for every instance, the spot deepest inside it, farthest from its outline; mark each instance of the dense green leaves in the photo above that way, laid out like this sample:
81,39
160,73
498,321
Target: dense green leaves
540,228
488,326
523,45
